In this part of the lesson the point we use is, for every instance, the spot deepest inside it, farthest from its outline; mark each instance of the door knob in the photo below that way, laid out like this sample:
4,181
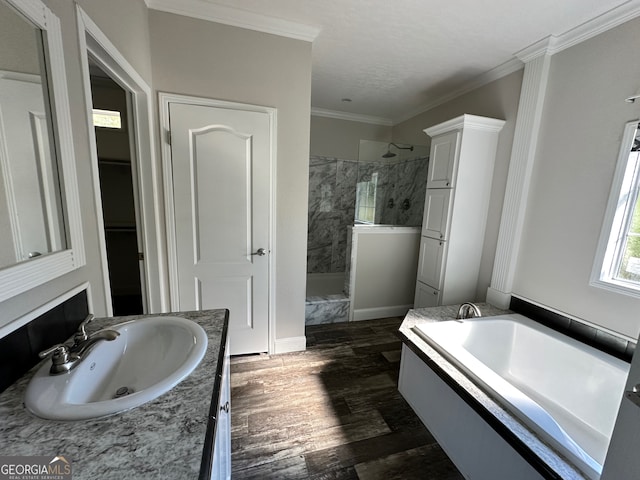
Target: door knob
260,252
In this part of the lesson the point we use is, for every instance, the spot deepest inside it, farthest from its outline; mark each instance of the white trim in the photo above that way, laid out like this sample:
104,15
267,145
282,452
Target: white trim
24,276
236,17
20,77
466,121
380,312
351,117
549,46
498,299
532,96
290,344
164,99
507,68
93,41
33,314
589,29
7,180
614,219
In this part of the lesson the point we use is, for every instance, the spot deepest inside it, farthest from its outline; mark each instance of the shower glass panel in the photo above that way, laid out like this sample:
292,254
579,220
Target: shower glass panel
391,183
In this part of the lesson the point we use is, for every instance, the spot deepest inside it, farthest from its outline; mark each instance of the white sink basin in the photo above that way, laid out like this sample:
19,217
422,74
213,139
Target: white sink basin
149,358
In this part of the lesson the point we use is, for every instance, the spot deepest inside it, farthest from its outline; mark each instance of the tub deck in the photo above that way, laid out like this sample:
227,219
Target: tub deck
566,391
509,426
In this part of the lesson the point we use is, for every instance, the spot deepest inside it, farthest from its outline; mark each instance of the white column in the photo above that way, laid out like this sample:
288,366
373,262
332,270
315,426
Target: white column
537,59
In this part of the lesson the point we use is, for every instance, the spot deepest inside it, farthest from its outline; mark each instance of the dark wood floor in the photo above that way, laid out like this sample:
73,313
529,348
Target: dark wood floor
331,412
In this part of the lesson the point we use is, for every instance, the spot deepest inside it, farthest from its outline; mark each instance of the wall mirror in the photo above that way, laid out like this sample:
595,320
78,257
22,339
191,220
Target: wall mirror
40,231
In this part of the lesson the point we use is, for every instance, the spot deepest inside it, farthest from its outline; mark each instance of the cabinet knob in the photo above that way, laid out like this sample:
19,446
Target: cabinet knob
448,183
435,292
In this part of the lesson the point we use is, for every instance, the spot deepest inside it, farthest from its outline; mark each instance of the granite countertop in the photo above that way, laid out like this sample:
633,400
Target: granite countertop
163,438
516,428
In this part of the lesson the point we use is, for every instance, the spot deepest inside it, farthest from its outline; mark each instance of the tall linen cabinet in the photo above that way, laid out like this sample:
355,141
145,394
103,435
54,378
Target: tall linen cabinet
459,180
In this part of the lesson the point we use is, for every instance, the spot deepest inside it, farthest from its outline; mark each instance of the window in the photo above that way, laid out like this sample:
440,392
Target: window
106,119
617,265
366,200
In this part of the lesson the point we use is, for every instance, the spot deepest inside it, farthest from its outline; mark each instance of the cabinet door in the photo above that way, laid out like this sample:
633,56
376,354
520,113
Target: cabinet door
426,296
222,445
430,262
436,213
442,160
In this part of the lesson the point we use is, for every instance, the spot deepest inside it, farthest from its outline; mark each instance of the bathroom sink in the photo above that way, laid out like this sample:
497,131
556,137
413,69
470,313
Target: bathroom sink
147,359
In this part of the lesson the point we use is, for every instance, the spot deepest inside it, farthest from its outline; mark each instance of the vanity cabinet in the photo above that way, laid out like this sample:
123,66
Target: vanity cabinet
222,442
456,205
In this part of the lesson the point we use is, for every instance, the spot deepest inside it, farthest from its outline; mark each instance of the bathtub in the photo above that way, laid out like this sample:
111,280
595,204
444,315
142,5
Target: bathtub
565,391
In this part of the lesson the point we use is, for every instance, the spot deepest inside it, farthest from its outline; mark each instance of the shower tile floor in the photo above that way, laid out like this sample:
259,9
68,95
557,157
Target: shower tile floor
331,412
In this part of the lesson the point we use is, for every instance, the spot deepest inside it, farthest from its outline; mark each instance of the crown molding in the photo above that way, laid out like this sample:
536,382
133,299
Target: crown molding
352,117
589,29
236,17
492,75
466,121
547,46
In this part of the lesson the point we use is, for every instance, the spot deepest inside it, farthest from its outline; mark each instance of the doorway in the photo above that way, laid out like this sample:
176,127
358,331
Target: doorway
219,163
118,193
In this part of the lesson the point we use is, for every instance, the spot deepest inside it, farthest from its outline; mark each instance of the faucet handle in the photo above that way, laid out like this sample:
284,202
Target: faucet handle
59,353
81,335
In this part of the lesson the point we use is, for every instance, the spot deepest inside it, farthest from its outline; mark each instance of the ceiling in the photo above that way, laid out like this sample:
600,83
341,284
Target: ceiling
395,58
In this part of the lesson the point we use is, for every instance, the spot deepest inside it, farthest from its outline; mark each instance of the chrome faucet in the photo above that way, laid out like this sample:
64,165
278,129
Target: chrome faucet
66,357
468,310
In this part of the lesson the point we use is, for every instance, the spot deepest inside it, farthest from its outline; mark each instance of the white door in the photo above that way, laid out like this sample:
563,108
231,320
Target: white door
221,186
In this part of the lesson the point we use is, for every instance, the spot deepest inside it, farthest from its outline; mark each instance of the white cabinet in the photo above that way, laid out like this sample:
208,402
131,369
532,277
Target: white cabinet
430,262
442,160
456,205
436,213
222,443
426,296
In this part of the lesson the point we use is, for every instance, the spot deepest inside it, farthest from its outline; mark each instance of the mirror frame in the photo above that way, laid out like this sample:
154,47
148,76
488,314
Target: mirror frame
24,276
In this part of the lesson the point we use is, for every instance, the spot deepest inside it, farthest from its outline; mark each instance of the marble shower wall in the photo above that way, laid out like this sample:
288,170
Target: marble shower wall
401,190
332,204
332,200
405,181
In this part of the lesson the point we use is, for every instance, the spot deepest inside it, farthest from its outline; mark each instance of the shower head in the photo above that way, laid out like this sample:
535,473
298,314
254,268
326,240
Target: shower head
390,154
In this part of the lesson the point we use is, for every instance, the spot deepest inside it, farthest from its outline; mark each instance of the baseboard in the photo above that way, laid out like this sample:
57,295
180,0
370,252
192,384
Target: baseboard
498,299
380,312
290,344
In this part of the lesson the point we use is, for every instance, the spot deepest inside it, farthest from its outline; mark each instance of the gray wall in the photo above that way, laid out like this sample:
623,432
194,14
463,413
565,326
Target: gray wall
583,119
498,99
218,61
332,137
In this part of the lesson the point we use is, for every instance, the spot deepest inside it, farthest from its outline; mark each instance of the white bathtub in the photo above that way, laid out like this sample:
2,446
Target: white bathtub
565,391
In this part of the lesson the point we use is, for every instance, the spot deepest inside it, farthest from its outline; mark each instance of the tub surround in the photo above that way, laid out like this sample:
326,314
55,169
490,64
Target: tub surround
169,437
538,454
595,337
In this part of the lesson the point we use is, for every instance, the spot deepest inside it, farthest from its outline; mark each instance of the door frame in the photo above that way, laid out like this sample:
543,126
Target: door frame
95,43
164,99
